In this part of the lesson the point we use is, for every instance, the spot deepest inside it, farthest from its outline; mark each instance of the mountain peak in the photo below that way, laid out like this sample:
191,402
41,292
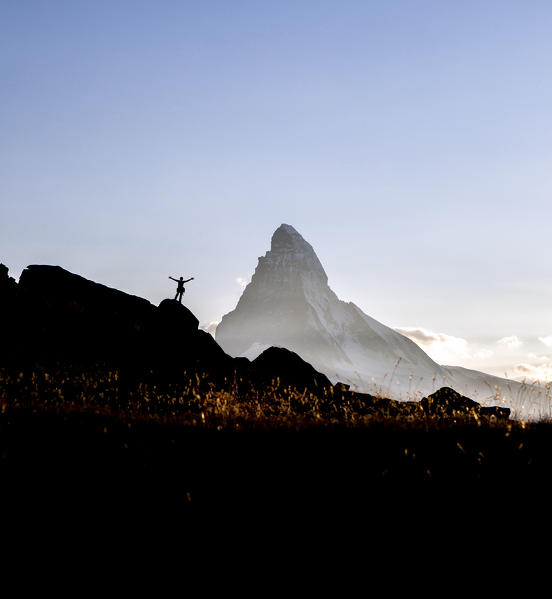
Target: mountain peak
288,303
288,249
286,237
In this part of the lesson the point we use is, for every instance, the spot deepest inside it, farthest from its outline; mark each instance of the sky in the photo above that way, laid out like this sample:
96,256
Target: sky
410,142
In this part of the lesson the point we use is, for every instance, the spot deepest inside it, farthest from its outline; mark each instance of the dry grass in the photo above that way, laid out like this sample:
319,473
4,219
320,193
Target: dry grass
197,403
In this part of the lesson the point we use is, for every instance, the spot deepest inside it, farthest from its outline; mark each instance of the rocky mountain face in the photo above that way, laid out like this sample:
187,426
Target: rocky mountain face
288,303
279,306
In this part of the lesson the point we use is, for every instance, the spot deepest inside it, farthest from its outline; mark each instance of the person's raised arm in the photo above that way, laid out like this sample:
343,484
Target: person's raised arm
173,279
188,280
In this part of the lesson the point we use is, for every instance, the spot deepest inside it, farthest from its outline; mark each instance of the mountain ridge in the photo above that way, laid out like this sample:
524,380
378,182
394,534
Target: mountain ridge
288,303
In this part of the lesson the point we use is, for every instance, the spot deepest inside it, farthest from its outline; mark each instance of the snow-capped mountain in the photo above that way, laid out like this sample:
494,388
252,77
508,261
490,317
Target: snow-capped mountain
288,303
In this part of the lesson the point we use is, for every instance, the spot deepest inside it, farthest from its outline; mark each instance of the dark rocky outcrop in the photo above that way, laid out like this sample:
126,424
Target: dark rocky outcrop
173,314
57,317
64,317
7,283
283,368
178,347
60,318
447,403
495,412
8,295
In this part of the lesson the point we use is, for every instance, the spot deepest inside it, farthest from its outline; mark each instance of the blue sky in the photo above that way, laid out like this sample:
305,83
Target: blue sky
410,142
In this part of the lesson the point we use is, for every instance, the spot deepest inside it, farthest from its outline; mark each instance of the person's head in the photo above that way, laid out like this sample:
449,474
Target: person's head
181,278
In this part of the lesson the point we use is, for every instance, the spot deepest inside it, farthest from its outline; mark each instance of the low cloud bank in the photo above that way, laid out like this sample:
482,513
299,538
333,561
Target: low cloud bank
443,348
456,351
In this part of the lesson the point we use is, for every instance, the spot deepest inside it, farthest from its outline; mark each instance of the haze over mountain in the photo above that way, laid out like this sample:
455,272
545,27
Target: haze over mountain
289,303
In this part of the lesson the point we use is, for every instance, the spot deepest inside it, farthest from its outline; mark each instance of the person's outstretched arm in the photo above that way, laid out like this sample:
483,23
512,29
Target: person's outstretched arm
173,279
188,280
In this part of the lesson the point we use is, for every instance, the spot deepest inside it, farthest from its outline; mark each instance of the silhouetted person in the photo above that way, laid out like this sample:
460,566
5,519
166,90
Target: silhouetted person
180,288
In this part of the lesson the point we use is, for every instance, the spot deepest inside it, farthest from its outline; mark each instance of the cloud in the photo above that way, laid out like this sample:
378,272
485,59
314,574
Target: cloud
440,346
242,282
546,340
210,327
422,336
511,342
536,358
443,348
542,372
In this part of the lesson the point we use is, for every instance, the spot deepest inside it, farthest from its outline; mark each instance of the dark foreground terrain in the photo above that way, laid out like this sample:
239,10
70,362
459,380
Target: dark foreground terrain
264,487
184,453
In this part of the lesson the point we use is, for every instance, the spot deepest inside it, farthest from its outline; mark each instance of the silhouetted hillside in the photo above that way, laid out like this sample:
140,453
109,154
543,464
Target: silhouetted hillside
57,318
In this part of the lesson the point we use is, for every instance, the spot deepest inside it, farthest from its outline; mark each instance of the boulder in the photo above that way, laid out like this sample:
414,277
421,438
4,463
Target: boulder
447,402
495,412
175,316
342,387
277,365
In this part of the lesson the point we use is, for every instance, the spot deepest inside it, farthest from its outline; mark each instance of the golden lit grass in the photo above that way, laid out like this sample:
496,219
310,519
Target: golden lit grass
198,403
